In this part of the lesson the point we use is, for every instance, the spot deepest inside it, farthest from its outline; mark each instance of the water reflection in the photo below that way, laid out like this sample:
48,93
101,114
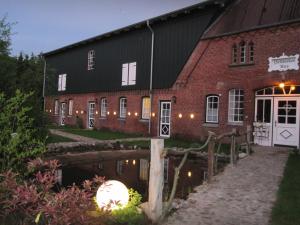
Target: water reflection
134,173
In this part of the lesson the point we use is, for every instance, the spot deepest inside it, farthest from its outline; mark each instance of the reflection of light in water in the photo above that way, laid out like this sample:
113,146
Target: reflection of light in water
189,174
112,195
133,162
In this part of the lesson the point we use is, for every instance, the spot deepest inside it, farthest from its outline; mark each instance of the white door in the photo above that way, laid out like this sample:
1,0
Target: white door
62,113
286,121
91,115
165,119
262,127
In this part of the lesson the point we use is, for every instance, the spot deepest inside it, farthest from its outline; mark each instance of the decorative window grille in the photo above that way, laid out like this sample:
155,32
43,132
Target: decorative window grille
71,102
146,108
243,52
103,107
212,109
236,105
62,79
56,107
129,74
123,107
91,60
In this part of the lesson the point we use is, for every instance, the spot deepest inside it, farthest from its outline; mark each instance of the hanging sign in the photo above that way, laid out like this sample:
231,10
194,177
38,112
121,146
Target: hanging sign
284,63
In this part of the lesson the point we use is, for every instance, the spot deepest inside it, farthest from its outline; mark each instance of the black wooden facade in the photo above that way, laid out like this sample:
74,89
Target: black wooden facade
176,35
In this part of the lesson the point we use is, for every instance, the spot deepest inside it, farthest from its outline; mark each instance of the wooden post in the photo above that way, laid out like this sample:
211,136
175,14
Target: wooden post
248,139
156,180
232,147
210,158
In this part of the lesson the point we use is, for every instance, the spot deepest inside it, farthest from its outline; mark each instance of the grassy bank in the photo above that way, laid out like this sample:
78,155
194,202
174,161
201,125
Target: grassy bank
57,139
287,208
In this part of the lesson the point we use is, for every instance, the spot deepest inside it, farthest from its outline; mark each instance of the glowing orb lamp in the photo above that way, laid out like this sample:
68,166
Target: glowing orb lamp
112,195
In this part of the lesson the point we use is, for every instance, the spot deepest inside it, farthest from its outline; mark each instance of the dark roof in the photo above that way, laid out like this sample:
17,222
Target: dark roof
141,24
245,15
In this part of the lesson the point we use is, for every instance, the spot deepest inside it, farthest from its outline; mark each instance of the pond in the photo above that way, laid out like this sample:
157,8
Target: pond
134,173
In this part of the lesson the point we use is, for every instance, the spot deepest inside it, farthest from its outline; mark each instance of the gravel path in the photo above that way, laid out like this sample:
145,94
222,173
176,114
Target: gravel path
241,195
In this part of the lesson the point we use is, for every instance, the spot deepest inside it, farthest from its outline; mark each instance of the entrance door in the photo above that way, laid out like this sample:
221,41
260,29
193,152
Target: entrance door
286,121
165,119
62,113
91,115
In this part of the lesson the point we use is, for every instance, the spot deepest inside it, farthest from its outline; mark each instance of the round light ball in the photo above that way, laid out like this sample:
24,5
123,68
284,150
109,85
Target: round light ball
111,195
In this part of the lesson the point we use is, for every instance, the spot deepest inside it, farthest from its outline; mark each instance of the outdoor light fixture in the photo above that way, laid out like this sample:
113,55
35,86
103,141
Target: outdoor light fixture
107,113
293,88
81,111
127,161
112,195
129,113
115,113
189,174
153,114
192,116
135,113
281,85
180,115
133,162
77,112
50,110
96,112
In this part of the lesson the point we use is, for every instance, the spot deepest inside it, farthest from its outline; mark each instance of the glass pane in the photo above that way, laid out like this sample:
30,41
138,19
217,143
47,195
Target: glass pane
278,90
281,103
259,112
292,103
291,120
260,92
268,91
292,112
267,113
281,119
282,112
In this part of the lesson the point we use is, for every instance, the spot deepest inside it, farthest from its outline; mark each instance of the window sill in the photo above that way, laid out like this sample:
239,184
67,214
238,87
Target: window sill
235,123
210,125
144,120
241,64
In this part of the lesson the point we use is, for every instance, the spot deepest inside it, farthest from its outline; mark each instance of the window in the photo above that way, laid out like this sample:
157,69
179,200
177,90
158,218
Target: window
91,60
62,82
103,107
212,109
243,52
236,105
251,52
56,107
234,54
70,107
146,108
129,74
123,107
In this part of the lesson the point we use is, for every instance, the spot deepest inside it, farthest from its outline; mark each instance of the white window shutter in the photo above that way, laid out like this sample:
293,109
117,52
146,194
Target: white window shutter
125,74
132,73
59,83
63,83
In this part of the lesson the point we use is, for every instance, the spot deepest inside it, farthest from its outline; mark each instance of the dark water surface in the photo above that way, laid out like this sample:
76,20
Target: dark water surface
134,173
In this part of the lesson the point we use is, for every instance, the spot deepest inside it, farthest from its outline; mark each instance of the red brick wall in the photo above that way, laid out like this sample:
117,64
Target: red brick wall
206,72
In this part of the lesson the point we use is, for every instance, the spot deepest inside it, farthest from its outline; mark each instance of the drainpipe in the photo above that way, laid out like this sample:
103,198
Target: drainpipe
44,82
151,74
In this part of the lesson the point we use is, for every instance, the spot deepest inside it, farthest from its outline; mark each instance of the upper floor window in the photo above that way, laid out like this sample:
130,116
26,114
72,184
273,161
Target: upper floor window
91,60
56,107
251,52
146,108
236,105
242,53
234,54
243,50
62,79
103,107
71,107
212,109
129,74
123,107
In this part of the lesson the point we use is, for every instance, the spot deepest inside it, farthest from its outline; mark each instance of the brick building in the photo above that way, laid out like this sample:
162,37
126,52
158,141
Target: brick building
241,68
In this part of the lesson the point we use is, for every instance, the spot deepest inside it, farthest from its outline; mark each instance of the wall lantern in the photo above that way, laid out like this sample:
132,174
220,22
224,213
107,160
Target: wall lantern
107,113
112,195
282,86
192,116
189,174
115,113
133,162
135,113
129,113
77,112
50,110
153,114
179,115
174,99
81,111
96,112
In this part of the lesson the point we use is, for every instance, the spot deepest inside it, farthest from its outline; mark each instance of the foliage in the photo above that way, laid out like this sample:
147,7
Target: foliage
287,207
18,141
5,34
34,201
130,214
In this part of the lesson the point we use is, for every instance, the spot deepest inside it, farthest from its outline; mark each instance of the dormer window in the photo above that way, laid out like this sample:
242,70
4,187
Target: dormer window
91,60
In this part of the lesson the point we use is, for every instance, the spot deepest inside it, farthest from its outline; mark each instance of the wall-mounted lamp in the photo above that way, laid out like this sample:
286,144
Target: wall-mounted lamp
189,174
153,114
282,85
107,113
135,113
129,113
179,115
192,116
81,111
133,162
96,112
50,110
174,99
76,111
115,113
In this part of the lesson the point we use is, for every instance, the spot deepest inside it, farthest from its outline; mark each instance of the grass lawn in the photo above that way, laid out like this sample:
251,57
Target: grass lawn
287,208
99,134
56,139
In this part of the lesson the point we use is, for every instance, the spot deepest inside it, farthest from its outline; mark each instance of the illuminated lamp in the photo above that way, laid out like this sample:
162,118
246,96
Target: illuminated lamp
129,113
81,111
112,195
133,162
107,113
135,113
115,113
180,115
192,116
189,174
50,110
153,114
127,161
96,112
281,85
293,88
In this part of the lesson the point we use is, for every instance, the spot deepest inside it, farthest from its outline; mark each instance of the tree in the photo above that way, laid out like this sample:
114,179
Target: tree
5,36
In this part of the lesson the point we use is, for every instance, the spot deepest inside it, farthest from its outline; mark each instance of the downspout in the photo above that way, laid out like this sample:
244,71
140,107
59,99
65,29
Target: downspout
151,74
44,83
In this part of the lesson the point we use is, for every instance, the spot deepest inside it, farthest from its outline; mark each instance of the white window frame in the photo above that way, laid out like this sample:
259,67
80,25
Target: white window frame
236,106
145,110
91,60
103,112
129,74
212,114
234,59
243,52
251,52
123,107
56,107
70,107
62,81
